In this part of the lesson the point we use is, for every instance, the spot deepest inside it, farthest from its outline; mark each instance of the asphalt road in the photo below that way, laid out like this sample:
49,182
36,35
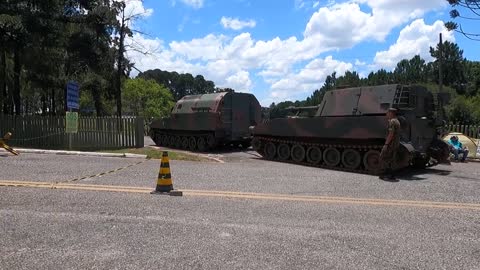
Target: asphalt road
246,213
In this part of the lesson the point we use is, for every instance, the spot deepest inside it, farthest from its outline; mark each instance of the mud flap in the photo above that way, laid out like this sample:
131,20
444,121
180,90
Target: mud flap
440,151
404,155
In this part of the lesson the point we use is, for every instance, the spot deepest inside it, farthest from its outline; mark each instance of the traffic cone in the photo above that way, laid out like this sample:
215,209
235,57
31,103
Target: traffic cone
164,180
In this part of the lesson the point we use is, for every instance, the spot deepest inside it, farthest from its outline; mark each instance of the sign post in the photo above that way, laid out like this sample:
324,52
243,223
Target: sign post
71,126
72,103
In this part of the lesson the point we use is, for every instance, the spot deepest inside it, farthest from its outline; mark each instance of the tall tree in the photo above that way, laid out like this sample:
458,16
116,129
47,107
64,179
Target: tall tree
349,79
180,84
124,29
453,64
467,10
13,37
411,71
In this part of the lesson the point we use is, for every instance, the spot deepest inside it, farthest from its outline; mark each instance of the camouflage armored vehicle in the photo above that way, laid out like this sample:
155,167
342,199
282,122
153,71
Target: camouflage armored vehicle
203,122
348,129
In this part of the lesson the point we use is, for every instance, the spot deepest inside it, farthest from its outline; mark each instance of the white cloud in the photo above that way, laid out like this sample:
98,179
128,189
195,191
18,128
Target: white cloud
193,3
416,38
311,77
292,67
359,63
206,48
332,32
346,24
306,4
236,24
299,4
136,8
239,81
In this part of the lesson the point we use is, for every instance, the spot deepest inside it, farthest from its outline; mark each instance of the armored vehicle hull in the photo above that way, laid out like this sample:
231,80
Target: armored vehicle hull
204,122
349,129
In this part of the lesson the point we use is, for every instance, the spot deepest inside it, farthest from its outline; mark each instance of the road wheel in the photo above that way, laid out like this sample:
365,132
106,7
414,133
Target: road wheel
192,143
172,141
298,153
314,155
178,142
201,144
211,141
283,151
256,144
164,140
270,150
331,156
184,142
351,159
371,161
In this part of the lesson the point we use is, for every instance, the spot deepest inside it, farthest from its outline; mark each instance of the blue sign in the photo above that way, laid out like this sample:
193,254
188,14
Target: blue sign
73,96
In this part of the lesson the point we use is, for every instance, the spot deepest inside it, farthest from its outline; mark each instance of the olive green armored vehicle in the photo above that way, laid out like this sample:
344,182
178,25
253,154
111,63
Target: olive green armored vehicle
204,122
347,130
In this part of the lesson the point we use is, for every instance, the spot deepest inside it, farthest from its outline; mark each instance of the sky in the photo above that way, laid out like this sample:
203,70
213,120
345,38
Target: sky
284,49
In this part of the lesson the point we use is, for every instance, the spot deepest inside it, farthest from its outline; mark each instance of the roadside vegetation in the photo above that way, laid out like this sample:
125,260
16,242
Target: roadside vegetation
45,44
157,154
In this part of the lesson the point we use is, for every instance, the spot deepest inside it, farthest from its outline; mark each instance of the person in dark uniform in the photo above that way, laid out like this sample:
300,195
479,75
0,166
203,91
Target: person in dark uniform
390,149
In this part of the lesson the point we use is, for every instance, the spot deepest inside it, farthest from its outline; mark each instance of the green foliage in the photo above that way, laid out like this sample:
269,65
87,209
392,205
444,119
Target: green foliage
180,84
153,153
50,42
453,67
411,71
461,110
461,80
464,10
349,79
146,98
472,72
279,110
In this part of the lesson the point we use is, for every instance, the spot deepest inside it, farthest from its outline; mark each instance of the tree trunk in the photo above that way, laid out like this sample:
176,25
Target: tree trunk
97,100
54,110
17,69
44,105
118,79
3,79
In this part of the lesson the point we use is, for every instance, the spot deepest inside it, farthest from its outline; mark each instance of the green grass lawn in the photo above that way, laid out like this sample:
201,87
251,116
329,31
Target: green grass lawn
157,154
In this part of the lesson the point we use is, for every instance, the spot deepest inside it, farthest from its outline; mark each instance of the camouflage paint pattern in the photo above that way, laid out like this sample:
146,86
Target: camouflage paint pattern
354,119
221,118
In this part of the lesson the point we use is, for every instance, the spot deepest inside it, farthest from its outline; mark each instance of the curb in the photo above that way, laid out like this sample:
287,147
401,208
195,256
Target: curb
189,153
77,153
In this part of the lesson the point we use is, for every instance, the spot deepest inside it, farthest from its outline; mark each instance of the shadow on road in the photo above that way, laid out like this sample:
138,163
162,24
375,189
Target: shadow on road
420,174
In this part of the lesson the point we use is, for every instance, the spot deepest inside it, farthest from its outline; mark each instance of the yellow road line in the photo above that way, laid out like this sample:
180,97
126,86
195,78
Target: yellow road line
250,195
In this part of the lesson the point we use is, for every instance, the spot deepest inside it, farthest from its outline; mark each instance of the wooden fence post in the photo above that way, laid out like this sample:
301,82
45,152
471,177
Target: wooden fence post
139,133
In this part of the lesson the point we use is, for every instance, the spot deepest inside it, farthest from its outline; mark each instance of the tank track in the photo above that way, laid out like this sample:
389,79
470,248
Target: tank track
175,140
362,149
